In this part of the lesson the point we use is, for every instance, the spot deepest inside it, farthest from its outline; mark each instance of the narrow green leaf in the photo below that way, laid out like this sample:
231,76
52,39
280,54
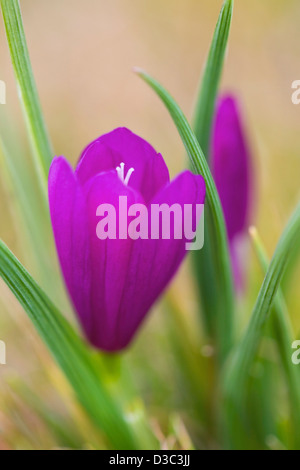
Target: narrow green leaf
25,215
31,223
69,351
218,231
284,336
202,124
236,376
205,104
28,93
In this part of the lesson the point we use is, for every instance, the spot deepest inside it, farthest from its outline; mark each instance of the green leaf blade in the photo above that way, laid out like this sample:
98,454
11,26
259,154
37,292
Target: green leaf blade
218,231
69,351
284,336
205,104
39,139
202,124
235,380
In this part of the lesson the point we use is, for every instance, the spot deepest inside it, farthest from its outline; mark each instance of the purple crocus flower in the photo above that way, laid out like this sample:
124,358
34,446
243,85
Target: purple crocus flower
230,162
114,282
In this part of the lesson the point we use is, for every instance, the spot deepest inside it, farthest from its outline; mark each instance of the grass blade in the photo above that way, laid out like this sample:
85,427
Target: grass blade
28,93
218,231
205,104
284,337
235,380
30,221
24,213
69,351
202,125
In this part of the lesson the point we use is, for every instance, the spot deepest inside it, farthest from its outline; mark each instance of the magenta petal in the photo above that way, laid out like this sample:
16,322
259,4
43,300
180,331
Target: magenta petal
230,161
121,145
154,262
70,226
110,259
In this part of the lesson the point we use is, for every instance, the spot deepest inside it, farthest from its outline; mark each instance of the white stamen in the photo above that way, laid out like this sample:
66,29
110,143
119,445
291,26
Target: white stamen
120,171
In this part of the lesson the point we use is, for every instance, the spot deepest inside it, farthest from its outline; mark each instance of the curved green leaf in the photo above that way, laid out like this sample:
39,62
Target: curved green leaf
218,231
284,336
239,367
202,124
28,93
68,350
205,105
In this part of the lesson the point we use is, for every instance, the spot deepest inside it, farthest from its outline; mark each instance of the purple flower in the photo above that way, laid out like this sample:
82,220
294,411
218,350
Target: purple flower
230,162
114,282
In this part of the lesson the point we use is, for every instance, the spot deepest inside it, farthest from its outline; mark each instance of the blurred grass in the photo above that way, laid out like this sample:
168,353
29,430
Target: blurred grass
82,55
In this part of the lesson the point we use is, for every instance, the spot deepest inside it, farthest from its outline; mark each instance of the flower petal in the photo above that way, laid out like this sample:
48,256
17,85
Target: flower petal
70,227
121,145
231,166
110,259
153,263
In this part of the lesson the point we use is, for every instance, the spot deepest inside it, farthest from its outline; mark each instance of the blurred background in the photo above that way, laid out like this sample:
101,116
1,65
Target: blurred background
83,53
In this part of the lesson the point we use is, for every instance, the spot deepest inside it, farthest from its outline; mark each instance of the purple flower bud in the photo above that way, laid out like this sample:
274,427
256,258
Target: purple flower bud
230,162
113,283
